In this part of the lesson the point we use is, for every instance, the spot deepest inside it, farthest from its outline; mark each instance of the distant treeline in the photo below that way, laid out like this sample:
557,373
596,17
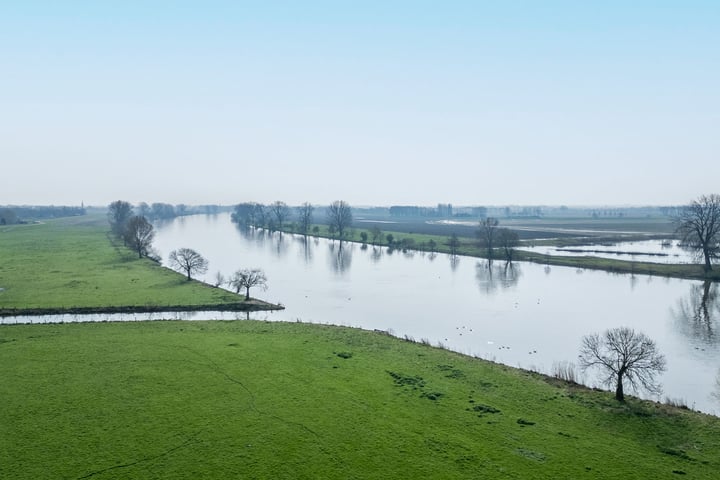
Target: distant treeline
11,215
166,211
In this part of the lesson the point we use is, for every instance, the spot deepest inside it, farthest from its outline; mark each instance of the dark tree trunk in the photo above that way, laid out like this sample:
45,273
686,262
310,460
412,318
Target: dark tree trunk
247,293
619,394
708,266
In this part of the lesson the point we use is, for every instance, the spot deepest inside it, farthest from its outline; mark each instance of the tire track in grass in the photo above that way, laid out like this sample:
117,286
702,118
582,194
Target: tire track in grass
145,459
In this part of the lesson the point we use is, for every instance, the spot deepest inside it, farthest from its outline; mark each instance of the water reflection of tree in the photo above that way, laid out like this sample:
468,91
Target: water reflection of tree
493,275
376,254
698,313
280,244
454,262
716,390
340,257
257,235
306,249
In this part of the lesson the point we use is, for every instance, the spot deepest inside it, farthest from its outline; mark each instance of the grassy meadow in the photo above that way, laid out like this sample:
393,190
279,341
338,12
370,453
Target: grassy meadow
248,399
73,264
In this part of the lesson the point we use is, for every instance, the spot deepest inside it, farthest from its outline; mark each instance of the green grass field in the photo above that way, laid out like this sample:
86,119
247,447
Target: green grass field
255,400
72,264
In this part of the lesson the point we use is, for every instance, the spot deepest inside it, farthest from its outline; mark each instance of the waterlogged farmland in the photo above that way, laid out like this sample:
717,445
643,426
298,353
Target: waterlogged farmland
526,315
652,251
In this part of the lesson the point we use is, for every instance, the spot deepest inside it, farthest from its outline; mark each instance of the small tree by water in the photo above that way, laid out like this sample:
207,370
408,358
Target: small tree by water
247,278
189,261
623,354
698,226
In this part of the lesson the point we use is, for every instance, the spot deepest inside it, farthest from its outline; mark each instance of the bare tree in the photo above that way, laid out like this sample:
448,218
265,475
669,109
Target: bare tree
260,216
454,244
119,212
143,209
139,234
488,233
244,214
189,261
162,211
698,225
279,211
339,218
621,353
305,217
219,279
376,234
248,278
508,240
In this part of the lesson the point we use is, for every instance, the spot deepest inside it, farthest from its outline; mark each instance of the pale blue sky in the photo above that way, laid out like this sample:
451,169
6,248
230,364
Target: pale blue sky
373,102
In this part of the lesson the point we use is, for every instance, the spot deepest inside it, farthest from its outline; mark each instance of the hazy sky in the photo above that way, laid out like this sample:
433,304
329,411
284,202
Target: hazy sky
372,102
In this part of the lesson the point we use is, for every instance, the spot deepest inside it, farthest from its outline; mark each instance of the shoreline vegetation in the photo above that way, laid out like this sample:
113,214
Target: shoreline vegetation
253,305
72,265
431,243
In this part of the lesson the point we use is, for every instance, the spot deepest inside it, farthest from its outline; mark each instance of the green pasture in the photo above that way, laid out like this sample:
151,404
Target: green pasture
73,263
257,400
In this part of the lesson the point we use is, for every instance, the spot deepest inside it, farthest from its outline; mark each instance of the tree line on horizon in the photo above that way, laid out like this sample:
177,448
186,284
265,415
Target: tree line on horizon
277,216
13,215
697,225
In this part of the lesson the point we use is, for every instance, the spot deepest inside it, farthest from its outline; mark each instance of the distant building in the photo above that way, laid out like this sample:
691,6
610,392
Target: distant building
444,210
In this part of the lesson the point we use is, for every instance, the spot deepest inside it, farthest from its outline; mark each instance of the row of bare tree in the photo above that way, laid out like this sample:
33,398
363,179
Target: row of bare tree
278,215
135,230
192,263
138,233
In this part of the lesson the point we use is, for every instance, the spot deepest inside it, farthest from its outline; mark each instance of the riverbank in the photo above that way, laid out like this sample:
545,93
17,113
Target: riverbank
469,247
290,400
242,306
71,265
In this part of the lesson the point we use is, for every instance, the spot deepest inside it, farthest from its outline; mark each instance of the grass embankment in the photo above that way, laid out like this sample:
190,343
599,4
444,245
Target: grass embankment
72,265
469,247
248,399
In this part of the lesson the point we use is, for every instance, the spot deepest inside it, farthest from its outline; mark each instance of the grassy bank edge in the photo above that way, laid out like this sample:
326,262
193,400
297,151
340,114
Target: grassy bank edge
242,306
